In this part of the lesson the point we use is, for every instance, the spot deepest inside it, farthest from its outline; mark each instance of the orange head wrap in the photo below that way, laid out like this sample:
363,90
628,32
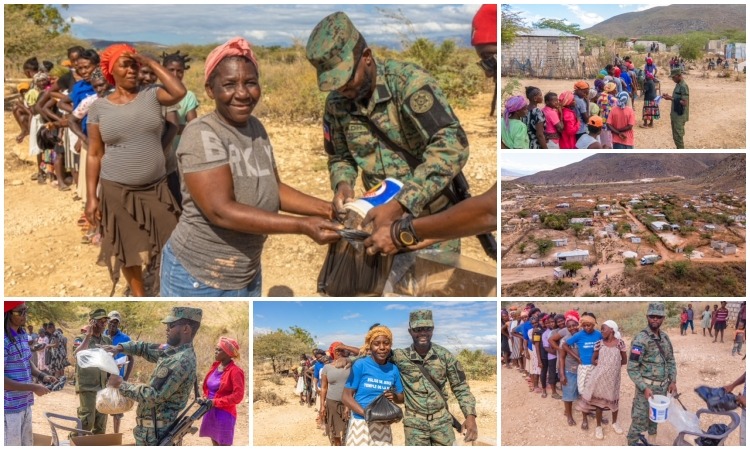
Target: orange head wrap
108,58
230,346
581,85
233,47
372,334
332,349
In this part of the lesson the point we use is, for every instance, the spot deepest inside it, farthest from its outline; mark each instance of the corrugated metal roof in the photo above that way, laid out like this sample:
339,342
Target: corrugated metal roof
573,253
659,224
547,32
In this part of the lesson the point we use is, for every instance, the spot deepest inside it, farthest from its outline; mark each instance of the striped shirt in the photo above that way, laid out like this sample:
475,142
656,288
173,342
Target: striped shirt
17,368
133,154
722,314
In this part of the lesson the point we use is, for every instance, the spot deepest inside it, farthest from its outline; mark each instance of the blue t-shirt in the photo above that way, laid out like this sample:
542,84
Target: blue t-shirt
81,90
523,329
119,338
581,109
316,371
626,80
585,344
369,379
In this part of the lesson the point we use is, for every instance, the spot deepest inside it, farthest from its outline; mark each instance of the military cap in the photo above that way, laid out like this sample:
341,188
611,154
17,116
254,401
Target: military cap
98,314
183,312
421,318
114,315
333,48
656,309
675,71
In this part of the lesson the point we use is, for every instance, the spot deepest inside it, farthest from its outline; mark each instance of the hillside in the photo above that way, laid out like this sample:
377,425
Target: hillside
671,20
729,173
608,168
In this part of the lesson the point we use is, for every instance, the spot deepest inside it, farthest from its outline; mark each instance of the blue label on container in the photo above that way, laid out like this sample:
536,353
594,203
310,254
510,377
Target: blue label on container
382,193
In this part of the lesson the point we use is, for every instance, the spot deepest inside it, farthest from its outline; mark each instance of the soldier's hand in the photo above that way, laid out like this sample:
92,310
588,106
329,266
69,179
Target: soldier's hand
344,194
114,381
648,393
384,215
672,389
381,242
114,349
470,429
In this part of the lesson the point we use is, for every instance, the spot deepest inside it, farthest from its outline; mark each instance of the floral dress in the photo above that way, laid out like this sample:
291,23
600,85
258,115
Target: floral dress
534,117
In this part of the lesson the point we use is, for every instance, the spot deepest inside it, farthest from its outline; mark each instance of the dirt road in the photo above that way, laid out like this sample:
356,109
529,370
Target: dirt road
44,256
528,419
65,402
710,112
292,424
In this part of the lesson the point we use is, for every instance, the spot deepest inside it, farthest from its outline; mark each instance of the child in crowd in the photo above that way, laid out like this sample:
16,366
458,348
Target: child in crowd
739,338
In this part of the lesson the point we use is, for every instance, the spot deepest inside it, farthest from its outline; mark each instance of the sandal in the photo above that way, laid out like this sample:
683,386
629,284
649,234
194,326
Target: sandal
544,394
556,396
537,390
599,433
585,425
571,422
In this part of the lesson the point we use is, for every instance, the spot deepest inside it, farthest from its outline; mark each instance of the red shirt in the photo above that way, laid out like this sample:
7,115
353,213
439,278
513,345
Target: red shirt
231,388
570,128
620,118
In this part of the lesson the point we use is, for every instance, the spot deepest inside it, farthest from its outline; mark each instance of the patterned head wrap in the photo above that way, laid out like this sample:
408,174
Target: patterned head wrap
97,75
380,330
622,99
572,315
592,93
229,346
58,71
40,76
513,104
566,98
588,319
610,88
108,58
233,47
603,72
599,85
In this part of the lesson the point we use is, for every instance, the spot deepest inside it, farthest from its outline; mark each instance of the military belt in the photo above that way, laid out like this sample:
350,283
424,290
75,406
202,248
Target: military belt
653,382
148,423
429,417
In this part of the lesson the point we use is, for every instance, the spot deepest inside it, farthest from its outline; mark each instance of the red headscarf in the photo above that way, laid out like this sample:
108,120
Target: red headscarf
236,46
230,346
572,315
484,26
332,349
109,57
8,305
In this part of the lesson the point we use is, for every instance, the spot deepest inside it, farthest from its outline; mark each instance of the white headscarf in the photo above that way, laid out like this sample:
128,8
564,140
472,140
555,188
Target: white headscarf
615,328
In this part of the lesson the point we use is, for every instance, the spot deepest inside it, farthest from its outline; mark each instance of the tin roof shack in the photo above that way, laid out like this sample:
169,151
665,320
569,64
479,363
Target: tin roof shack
659,225
735,50
542,53
716,46
573,255
652,46
587,221
560,242
577,195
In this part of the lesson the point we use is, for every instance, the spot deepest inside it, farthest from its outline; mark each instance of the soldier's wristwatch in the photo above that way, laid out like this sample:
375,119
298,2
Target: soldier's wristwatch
402,232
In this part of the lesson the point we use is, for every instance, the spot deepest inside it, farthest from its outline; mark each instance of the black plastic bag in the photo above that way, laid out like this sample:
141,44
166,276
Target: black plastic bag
383,410
717,399
716,429
348,271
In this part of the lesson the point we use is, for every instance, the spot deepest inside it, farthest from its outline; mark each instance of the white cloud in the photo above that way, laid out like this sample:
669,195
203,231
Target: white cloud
585,18
261,316
352,316
648,6
397,307
258,35
78,20
257,331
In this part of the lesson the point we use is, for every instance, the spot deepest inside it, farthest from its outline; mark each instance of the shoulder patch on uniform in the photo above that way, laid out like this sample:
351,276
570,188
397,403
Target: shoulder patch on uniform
328,139
162,372
160,377
421,101
429,113
636,352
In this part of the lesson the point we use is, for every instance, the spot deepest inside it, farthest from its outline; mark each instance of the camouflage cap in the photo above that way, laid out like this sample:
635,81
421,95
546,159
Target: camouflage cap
333,48
421,318
98,314
676,71
183,312
656,309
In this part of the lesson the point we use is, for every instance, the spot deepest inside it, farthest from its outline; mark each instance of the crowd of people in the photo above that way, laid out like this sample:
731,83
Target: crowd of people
159,402
346,379
568,356
181,198
598,115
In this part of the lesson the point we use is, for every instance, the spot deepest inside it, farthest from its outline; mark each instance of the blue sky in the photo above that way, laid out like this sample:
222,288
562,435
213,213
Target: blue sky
535,162
261,24
458,324
585,15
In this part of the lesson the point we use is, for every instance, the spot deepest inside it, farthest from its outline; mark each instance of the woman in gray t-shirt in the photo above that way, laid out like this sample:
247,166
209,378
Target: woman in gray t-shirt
136,211
231,190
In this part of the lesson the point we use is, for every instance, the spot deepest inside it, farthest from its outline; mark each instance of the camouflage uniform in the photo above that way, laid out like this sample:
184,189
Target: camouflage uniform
88,382
680,92
648,369
170,385
407,106
427,421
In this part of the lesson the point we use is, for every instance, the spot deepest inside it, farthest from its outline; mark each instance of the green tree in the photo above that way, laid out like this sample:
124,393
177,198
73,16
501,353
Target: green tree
630,262
302,335
692,45
522,247
558,24
29,28
543,246
681,268
573,266
689,250
652,239
577,228
510,24
524,213
279,347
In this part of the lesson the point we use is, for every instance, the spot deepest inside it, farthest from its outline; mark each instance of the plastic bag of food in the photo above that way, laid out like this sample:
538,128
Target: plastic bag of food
98,358
348,271
110,401
683,420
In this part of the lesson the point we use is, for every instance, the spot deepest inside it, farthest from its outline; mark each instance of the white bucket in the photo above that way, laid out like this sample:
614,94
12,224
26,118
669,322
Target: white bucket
658,407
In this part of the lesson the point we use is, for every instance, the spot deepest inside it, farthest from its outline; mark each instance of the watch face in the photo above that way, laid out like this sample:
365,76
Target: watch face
406,238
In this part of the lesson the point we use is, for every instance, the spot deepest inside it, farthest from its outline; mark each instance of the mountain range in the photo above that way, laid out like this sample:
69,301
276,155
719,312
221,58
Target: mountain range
671,20
727,170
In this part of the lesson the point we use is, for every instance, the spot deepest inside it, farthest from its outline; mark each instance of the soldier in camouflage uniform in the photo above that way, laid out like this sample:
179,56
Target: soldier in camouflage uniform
173,378
400,100
427,420
653,370
91,380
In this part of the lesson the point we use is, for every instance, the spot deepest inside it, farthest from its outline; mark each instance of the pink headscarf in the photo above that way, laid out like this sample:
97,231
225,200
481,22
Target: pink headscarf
236,46
230,346
566,98
649,76
513,104
572,315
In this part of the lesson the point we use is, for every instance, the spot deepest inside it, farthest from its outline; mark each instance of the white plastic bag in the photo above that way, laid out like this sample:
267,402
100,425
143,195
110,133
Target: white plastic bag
683,420
97,357
110,401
